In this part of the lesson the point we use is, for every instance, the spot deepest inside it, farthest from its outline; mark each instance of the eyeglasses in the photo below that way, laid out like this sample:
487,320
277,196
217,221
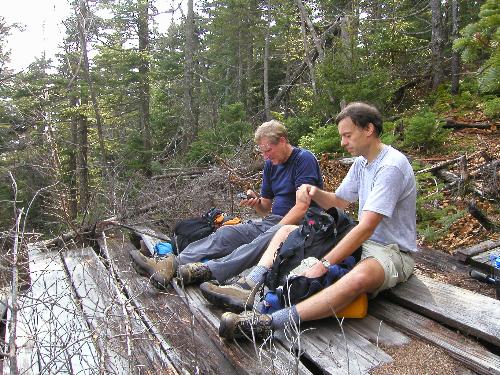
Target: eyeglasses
263,149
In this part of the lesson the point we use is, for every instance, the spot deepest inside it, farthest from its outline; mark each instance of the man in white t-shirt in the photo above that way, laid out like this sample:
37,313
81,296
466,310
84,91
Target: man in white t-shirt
382,181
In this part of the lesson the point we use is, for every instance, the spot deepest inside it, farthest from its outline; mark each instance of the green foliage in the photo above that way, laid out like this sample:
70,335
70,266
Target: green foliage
424,131
387,137
432,220
229,133
492,108
299,127
323,139
480,42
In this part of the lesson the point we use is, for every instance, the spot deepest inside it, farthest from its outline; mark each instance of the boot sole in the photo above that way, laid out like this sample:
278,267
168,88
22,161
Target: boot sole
224,301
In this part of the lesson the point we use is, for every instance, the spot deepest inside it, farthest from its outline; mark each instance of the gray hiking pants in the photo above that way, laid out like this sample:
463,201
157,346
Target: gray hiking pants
232,249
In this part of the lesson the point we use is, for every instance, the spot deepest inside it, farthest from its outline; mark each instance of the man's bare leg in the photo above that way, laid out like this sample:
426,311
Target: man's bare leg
280,236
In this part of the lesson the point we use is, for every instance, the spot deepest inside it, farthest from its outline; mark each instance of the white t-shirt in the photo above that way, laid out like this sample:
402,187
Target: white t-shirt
386,186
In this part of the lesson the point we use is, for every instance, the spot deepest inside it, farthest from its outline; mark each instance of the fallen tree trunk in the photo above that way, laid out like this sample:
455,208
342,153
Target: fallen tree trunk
449,162
452,124
477,214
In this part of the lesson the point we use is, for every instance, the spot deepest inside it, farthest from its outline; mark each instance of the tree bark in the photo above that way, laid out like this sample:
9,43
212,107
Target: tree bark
436,43
317,41
82,157
307,53
455,57
143,33
82,16
190,110
72,162
267,108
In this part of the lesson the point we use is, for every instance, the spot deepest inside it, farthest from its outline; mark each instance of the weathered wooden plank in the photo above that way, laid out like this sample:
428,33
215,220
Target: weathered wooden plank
376,331
471,313
273,358
334,348
267,357
482,260
463,254
51,334
471,354
125,343
168,317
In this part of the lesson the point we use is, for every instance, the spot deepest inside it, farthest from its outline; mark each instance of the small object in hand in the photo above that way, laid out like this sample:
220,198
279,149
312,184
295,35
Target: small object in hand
242,196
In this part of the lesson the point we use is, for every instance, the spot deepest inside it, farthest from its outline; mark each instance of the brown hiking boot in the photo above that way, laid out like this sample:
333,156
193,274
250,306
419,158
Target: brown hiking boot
248,324
160,270
238,296
194,273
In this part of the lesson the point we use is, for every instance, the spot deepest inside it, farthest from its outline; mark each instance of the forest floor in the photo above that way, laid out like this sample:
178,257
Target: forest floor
187,196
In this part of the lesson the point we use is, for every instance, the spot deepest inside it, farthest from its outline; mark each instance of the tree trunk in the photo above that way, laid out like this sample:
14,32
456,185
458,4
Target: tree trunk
82,157
72,161
190,110
455,57
267,109
436,43
143,31
307,53
81,16
312,30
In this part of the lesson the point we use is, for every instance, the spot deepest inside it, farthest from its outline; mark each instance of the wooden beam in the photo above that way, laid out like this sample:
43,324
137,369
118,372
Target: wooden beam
124,341
455,307
463,254
482,261
334,349
468,352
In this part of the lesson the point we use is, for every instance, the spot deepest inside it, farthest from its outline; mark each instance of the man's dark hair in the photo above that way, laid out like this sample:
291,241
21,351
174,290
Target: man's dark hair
362,114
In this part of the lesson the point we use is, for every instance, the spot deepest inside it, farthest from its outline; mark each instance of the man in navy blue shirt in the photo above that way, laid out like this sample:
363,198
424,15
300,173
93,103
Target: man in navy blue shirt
232,249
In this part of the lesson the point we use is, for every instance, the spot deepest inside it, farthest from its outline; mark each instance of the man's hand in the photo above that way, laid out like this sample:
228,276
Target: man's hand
252,199
317,270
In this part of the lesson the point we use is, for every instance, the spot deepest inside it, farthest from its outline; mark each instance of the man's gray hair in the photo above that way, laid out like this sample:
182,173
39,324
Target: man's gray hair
271,130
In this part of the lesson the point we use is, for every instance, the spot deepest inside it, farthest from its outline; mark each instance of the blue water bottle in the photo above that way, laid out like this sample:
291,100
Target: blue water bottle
495,260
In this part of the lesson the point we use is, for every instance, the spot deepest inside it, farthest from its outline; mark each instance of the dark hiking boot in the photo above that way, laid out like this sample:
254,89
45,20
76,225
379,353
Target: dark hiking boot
160,270
194,273
248,324
238,296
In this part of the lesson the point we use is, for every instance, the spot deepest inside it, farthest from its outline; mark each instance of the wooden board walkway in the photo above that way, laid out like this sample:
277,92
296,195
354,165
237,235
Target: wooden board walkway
51,334
455,307
468,352
124,342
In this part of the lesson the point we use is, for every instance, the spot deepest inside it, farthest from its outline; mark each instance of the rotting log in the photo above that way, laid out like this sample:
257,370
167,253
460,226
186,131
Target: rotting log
463,254
455,307
477,214
452,124
466,351
449,162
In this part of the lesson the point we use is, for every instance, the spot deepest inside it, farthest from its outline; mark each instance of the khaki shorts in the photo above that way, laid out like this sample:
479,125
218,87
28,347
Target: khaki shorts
397,265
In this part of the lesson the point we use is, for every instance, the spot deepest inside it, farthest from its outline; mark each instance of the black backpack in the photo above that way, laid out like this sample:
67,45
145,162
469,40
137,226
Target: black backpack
319,232
194,229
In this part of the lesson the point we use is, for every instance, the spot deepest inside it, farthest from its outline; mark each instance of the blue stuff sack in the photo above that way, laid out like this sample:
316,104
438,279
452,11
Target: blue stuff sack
163,248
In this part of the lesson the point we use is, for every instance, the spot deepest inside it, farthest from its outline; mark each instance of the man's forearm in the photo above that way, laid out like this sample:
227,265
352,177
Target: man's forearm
295,215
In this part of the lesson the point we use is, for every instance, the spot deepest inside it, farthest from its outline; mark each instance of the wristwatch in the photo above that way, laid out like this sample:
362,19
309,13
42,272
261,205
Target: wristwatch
325,263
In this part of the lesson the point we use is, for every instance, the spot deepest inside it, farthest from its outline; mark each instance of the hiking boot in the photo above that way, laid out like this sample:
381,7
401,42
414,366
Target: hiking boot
247,324
160,270
238,296
164,271
194,273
